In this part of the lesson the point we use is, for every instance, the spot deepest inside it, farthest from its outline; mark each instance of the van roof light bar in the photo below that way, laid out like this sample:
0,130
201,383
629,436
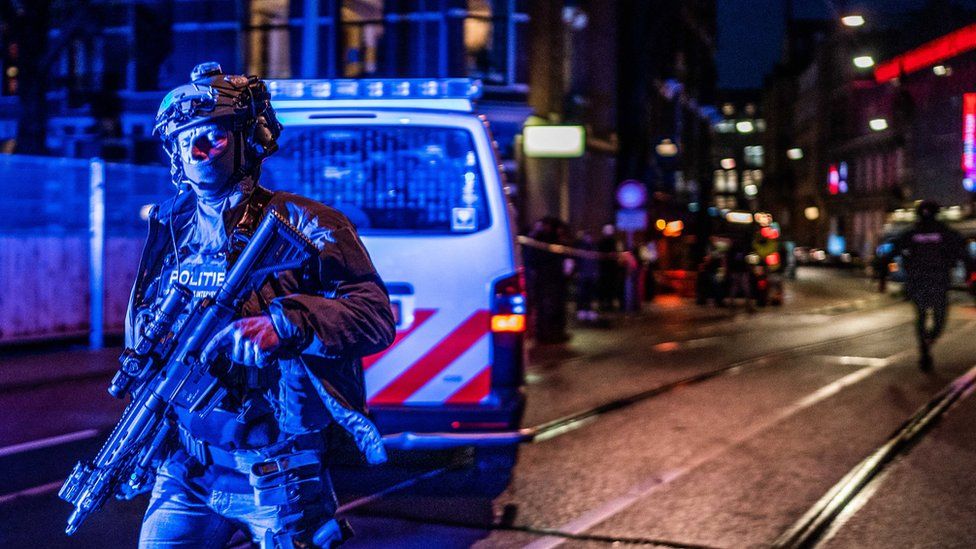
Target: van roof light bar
378,88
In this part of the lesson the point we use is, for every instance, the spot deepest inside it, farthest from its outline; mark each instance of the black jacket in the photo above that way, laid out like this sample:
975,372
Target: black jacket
332,312
929,250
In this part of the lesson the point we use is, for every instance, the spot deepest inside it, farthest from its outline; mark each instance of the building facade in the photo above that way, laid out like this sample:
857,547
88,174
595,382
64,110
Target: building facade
632,73
865,138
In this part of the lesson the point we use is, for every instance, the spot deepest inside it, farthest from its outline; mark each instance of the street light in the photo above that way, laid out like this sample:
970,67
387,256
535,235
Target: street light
795,153
864,61
878,124
852,20
745,126
666,148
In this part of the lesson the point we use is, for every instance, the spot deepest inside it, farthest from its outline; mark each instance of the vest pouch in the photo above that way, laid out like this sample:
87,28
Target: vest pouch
286,479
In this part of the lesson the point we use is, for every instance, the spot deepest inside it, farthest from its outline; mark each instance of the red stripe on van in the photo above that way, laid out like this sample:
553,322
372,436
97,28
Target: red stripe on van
436,360
475,391
419,317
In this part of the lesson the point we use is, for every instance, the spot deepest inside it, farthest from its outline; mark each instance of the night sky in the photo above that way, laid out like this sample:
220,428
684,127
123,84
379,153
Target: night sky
751,31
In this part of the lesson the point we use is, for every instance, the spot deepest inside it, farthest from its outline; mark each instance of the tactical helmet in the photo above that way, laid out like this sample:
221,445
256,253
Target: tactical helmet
240,103
927,209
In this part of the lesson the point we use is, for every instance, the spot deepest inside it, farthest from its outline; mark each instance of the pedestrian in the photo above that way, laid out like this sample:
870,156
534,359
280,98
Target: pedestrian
546,280
648,257
294,350
929,251
587,274
880,266
610,279
740,273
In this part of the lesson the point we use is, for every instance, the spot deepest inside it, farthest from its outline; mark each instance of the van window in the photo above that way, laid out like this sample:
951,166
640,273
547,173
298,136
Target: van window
385,178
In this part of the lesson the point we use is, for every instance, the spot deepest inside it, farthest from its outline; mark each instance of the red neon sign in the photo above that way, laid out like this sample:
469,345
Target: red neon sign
926,55
969,134
833,179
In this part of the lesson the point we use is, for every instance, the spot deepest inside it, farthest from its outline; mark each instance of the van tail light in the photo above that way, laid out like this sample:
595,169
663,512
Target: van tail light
508,305
508,323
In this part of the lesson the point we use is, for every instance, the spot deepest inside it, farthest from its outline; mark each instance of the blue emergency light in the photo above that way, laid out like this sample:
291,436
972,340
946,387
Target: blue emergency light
378,88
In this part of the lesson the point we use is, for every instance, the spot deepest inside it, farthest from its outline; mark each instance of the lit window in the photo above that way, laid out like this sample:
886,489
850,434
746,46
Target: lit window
269,39
864,61
753,155
745,126
878,124
725,126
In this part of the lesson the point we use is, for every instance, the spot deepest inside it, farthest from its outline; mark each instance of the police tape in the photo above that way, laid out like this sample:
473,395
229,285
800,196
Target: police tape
624,258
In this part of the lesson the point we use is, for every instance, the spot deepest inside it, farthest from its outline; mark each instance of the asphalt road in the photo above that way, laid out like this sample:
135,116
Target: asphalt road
707,428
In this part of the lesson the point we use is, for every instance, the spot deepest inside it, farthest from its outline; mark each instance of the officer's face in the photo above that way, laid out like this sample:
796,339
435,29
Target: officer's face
207,154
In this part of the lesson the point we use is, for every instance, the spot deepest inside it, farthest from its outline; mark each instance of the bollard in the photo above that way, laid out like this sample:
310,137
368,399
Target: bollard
96,256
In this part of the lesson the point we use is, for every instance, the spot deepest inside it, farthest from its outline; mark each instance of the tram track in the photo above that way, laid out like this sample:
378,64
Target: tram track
568,423
536,434
555,427
822,519
564,424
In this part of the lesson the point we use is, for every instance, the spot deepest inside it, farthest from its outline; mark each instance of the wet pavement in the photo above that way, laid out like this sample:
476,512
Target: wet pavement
720,429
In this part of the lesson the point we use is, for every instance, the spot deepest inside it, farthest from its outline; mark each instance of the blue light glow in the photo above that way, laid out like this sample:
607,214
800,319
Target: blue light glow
836,244
380,88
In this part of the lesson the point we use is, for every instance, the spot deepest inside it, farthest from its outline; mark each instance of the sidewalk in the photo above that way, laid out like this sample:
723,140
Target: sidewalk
21,370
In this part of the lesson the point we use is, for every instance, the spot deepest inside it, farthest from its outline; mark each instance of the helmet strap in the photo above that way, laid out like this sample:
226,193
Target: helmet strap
240,169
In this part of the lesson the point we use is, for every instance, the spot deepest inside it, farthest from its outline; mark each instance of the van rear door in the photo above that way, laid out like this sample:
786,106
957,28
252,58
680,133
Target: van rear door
427,199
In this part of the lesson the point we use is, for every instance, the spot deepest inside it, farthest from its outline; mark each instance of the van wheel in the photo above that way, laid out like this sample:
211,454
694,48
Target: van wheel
498,459
491,471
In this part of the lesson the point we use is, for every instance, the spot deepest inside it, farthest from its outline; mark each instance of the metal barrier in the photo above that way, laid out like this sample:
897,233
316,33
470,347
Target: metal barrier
50,196
70,234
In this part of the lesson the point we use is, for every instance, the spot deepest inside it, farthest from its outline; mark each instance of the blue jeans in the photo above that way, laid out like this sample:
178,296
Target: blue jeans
194,507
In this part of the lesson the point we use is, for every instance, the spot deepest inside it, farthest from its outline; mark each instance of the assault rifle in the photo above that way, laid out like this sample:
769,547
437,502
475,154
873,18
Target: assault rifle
164,370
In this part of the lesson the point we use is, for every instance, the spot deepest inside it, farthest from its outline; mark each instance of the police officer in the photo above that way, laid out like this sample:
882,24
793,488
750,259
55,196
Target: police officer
929,250
296,397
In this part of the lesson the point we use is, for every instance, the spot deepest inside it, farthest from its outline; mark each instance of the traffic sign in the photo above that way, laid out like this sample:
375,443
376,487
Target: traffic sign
630,220
631,194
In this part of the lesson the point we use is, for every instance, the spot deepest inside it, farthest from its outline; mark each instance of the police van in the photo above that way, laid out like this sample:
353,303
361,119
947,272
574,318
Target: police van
414,168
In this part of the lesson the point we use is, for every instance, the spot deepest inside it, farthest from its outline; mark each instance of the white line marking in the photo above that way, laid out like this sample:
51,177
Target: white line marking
602,513
56,485
365,500
861,499
35,491
669,346
644,489
856,360
47,442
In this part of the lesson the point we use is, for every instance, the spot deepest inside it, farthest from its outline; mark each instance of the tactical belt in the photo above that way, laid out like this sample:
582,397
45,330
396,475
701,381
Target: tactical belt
208,454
